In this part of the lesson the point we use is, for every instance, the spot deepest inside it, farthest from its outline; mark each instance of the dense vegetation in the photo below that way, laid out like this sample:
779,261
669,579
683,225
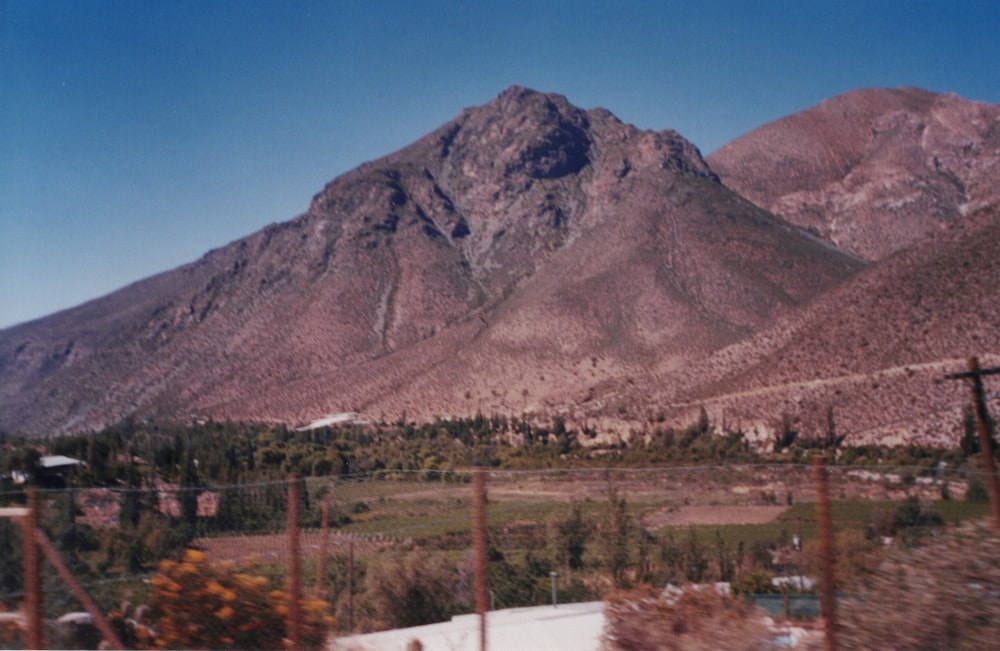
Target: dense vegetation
129,452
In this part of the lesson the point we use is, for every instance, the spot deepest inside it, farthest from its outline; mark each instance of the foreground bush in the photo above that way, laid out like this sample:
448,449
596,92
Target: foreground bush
199,605
404,590
694,620
944,595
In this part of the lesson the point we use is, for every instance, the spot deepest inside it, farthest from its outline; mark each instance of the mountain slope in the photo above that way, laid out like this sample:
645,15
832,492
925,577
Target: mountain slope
872,171
872,353
525,239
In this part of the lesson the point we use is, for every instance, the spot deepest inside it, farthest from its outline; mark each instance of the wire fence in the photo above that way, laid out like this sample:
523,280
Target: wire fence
165,564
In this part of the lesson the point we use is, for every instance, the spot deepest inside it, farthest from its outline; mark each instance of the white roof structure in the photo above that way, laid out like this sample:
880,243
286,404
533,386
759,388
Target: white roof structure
332,419
576,626
58,461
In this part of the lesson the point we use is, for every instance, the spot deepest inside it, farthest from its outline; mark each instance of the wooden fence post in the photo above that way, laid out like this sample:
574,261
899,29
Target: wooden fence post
479,550
828,604
32,574
324,532
88,604
294,629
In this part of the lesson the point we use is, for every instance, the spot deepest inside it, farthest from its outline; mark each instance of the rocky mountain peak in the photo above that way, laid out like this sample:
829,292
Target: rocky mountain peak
540,135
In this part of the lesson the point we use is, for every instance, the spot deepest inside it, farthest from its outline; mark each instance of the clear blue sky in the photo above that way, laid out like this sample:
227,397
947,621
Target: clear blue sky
136,135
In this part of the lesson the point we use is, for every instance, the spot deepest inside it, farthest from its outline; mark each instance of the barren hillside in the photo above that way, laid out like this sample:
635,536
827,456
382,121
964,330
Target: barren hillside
873,352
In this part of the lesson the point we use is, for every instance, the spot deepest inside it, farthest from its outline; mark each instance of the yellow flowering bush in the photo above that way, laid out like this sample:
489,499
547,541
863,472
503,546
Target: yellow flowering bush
199,605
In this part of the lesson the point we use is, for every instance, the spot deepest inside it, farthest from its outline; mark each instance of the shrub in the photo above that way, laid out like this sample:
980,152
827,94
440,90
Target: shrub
976,491
196,604
856,557
909,521
568,538
409,589
755,581
944,595
694,620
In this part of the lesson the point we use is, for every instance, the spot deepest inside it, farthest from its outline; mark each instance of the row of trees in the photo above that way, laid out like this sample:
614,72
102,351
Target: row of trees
242,452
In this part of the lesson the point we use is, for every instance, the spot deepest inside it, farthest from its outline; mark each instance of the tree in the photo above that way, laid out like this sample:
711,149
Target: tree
832,439
724,558
568,538
703,422
132,498
695,560
786,436
616,537
189,491
672,561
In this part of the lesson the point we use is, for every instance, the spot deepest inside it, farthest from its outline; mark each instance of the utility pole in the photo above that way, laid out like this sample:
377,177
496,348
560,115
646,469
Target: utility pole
975,377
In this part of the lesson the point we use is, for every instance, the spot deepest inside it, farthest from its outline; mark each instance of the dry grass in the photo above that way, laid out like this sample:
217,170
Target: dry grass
694,620
949,590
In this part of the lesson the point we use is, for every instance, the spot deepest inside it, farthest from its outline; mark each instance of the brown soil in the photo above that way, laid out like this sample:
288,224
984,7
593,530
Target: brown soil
267,548
712,515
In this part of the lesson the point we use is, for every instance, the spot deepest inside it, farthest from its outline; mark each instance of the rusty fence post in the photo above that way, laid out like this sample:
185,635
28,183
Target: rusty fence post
37,544
324,540
828,605
479,550
294,629
100,621
32,574
350,586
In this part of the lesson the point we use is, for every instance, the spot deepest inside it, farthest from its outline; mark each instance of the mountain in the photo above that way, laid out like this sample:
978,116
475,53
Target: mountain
871,354
527,256
533,258
871,171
